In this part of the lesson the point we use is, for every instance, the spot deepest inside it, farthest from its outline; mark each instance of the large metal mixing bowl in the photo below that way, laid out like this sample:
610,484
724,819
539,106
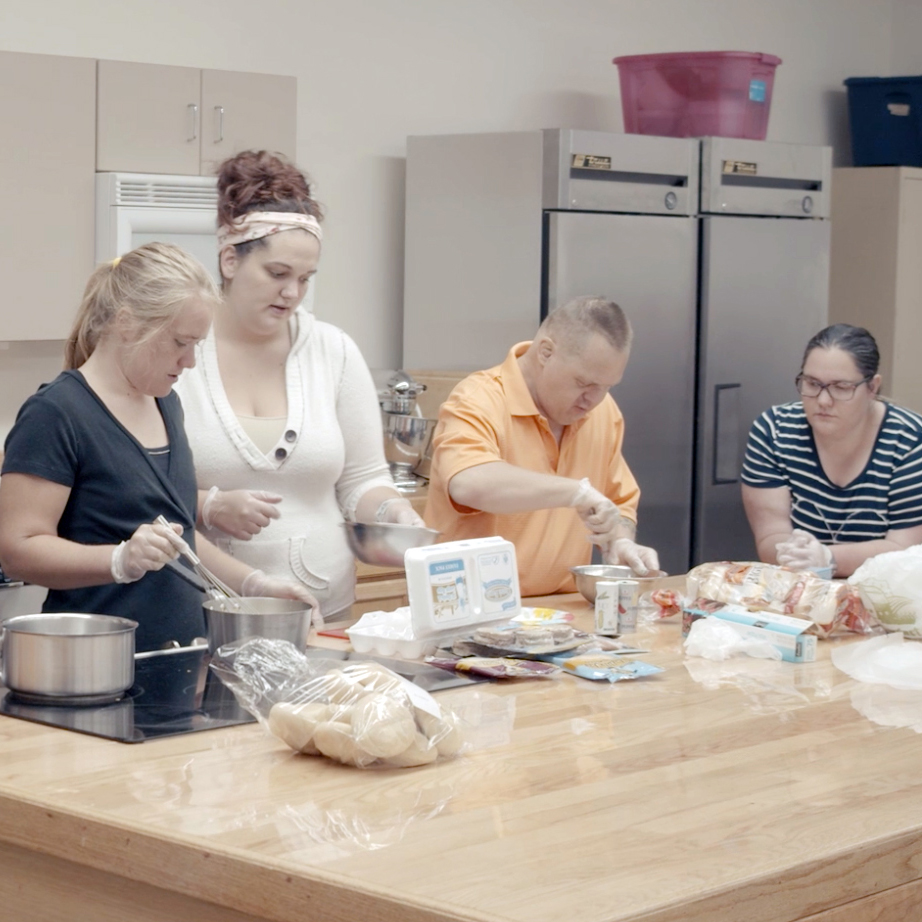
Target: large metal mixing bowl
384,544
586,578
407,440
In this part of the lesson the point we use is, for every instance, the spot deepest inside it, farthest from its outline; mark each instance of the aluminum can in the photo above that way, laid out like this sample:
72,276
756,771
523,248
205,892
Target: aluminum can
607,602
628,598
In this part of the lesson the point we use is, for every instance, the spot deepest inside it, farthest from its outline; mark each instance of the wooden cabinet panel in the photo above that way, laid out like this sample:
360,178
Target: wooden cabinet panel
876,271
379,595
907,369
47,106
246,112
148,118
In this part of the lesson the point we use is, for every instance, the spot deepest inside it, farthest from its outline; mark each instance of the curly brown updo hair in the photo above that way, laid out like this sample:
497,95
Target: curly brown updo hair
257,180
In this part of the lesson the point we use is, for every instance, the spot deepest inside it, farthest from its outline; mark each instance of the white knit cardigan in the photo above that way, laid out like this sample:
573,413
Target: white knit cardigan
329,454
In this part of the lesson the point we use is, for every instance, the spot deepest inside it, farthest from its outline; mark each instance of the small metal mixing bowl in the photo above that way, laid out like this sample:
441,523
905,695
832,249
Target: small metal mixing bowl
586,577
384,544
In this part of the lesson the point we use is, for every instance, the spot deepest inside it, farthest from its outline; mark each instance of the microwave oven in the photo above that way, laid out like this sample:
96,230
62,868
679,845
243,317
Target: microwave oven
137,208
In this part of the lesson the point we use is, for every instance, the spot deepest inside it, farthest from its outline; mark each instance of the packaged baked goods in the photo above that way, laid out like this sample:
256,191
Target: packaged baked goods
829,604
496,667
519,640
358,713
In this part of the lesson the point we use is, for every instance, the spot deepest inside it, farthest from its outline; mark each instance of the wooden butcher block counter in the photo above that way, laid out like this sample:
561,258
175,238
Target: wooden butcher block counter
741,791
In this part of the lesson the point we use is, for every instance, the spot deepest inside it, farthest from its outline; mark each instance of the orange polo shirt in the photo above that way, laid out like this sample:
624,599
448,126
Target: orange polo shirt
490,416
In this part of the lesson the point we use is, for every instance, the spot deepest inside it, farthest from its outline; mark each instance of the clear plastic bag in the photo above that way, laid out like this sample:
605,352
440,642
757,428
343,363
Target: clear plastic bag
884,660
713,639
829,604
890,585
358,713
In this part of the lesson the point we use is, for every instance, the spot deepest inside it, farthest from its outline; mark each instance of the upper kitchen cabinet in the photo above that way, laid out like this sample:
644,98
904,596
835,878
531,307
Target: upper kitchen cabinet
876,269
148,118
47,106
246,112
155,118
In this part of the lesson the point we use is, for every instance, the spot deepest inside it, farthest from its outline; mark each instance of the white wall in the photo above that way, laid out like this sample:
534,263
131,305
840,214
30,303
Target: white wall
370,72
906,58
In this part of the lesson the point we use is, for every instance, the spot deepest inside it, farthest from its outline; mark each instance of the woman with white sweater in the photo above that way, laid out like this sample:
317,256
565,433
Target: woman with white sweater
281,410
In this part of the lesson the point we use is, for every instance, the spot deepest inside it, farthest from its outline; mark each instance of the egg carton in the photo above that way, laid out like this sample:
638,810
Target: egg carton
401,647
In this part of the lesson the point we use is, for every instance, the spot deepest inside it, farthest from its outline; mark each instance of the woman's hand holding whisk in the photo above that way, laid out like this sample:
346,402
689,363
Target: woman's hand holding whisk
257,583
149,548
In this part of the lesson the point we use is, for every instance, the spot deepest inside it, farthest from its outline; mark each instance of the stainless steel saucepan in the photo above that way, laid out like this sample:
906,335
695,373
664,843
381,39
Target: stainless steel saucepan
67,655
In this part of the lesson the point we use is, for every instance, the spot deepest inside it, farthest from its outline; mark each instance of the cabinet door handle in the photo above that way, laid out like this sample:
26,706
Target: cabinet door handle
193,112
219,124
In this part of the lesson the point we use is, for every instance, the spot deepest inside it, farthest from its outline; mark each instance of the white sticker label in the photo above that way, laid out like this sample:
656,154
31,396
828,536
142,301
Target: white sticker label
421,698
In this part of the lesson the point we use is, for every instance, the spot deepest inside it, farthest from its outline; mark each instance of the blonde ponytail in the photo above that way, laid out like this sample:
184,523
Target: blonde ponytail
151,282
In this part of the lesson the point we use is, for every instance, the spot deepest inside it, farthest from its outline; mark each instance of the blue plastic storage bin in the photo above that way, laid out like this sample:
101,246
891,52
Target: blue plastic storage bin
885,114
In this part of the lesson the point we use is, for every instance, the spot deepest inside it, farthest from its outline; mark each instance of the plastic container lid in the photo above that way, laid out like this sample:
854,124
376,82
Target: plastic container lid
864,81
692,56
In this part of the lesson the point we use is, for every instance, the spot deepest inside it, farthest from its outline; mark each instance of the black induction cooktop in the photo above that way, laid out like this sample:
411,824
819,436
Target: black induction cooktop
175,692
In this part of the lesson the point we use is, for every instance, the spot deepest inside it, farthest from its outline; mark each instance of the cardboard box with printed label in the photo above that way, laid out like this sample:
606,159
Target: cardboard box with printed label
788,635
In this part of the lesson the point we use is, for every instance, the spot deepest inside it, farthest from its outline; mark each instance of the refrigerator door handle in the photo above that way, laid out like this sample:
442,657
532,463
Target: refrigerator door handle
726,433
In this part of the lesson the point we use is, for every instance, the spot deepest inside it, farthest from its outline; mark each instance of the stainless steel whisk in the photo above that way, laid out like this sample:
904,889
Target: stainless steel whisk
217,588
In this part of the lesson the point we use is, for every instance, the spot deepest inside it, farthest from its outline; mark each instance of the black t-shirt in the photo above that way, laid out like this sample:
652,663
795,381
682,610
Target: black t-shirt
64,433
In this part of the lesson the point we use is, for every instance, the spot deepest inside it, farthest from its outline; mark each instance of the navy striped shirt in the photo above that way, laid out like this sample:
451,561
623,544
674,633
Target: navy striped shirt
887,494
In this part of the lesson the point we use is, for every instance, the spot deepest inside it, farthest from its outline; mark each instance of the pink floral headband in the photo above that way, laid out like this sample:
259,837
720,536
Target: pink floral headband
257,224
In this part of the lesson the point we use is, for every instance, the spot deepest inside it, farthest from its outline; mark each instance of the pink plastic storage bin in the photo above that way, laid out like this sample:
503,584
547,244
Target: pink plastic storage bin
697,93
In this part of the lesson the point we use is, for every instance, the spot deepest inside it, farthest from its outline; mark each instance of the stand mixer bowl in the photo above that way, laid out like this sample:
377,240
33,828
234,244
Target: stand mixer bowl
407,440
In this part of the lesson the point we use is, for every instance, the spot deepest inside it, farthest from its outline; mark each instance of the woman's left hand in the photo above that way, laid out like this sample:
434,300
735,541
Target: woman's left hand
258,583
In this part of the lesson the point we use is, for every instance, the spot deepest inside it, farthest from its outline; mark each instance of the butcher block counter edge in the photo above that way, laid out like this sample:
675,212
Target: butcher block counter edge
234,878
240,881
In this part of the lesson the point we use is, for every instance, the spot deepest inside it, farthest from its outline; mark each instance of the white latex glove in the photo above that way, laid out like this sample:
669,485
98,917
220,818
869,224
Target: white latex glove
256,583
627,553
147,549
802,550
599,514
398,511
240,513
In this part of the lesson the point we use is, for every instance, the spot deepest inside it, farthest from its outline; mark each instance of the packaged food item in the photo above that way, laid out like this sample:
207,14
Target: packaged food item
543,616
357,713
605,667
829,604
628,593
461,583
668,602
519,640
496,667
607,595
597,644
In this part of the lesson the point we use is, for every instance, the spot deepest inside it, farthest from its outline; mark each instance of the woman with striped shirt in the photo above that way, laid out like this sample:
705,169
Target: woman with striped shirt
835,478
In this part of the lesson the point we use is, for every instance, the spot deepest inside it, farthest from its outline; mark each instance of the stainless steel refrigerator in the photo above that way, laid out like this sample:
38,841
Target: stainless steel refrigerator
501,228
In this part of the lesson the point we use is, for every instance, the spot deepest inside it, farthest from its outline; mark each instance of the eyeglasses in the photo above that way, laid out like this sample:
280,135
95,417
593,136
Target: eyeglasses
838,390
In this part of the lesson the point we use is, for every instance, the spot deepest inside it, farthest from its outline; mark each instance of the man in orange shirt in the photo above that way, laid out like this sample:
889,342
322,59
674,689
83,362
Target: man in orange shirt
531,450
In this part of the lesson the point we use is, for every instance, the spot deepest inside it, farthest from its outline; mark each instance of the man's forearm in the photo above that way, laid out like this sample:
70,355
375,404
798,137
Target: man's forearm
503,488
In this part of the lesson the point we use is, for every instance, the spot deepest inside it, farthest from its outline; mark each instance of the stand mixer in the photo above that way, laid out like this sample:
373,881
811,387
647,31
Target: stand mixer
407,434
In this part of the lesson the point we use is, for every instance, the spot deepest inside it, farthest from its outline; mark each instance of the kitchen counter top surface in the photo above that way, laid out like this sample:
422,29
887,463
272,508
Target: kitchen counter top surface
715,791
